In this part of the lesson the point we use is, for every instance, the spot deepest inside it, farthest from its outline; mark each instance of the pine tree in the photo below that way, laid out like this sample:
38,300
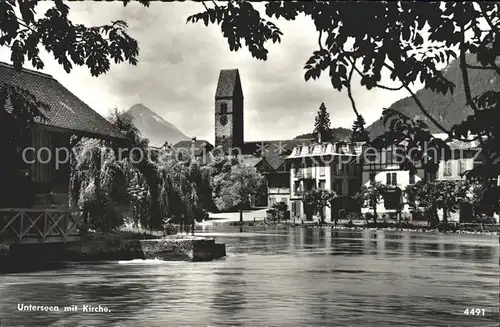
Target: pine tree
359,134
322,124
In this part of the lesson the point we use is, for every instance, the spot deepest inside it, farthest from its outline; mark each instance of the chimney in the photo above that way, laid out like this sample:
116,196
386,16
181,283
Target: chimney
319,137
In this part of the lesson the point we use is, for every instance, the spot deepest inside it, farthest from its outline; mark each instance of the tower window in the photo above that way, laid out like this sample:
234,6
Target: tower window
391,179
223,108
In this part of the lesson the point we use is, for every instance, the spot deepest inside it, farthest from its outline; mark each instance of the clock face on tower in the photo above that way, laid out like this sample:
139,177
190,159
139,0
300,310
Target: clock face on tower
223,120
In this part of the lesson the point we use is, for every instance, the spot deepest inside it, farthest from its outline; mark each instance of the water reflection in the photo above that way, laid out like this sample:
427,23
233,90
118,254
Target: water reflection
294,277
229,299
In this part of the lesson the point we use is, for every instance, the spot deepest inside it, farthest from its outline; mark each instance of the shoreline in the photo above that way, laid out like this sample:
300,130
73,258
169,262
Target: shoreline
449,229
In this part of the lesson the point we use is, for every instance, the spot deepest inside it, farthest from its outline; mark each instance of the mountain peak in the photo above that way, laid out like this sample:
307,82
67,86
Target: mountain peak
154,127
448,109
140,108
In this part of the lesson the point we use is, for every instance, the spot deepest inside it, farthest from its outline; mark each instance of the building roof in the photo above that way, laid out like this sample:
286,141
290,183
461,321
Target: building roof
259,163
463,145
324,149
197,145
251,161
275,152
229,83
67,111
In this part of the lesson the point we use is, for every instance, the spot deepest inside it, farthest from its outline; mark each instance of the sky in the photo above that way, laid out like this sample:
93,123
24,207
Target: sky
179,65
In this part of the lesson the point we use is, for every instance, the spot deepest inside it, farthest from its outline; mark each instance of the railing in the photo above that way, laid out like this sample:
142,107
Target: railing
38,225
279,190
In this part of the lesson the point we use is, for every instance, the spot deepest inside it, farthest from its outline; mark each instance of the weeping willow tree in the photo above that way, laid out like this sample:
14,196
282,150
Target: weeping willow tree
98,184
185,187
155,188
149,208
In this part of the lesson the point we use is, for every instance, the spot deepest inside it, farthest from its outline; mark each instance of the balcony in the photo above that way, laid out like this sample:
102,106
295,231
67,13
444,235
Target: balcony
298,193
278,190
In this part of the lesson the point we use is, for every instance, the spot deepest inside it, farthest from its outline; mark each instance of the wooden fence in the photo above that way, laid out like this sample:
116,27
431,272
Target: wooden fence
39,225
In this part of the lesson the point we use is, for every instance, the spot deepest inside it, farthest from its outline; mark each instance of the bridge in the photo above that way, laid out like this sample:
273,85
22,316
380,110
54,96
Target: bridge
39,225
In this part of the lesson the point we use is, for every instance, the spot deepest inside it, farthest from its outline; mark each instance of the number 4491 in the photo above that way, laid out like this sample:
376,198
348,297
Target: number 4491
474,312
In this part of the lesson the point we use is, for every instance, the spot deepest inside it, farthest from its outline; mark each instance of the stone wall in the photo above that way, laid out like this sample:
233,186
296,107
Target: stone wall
21,257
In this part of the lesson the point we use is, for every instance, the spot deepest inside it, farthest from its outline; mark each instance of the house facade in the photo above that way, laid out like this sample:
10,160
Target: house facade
464,157
323,166
383,166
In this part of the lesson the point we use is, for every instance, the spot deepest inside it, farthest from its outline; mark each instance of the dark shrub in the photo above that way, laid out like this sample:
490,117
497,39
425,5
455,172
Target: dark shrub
170,229
483,219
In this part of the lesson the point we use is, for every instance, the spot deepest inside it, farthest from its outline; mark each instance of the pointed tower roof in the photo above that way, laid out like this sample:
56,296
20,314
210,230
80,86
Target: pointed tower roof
229,84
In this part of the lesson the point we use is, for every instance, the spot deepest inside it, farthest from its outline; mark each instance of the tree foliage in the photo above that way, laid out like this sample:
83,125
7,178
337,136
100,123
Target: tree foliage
235,186
446,195
157,187
359,134
370,196
280,207
99,184
406,40
322,124
317,200
70,44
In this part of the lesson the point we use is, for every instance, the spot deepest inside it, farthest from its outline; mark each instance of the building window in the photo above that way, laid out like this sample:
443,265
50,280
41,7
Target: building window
372,178
338,168
391,179
284,200
272,201
352,170
338,186
322,184
309,172
412,178
322,170
223,108
463,166
296,188
388,156
447,168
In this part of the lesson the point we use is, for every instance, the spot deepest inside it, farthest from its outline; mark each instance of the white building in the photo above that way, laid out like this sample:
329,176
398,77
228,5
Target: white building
384,166
324,166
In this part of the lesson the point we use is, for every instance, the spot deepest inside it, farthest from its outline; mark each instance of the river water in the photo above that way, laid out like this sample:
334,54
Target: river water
292,277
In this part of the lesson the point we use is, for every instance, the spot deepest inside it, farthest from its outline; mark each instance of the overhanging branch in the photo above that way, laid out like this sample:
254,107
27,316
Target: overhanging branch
349,91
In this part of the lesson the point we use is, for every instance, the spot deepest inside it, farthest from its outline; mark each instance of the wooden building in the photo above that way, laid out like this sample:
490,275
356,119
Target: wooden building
45,170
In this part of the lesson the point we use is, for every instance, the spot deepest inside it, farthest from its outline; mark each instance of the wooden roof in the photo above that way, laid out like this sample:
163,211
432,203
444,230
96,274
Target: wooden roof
67,111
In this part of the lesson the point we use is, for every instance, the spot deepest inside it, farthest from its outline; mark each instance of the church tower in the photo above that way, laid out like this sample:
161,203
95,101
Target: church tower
229,110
